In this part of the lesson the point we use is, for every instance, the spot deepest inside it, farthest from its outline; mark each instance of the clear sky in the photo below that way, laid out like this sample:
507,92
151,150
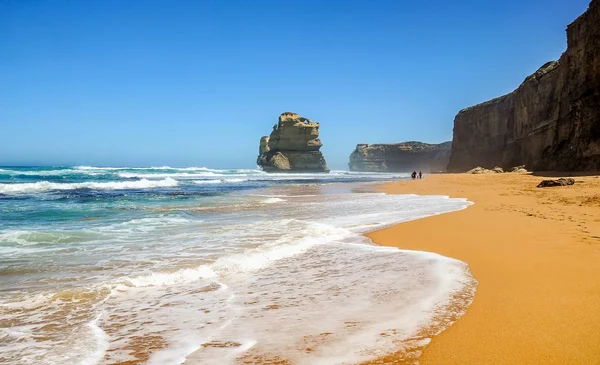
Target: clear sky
197,83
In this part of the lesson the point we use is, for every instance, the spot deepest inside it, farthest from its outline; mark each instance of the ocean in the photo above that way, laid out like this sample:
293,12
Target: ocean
162,265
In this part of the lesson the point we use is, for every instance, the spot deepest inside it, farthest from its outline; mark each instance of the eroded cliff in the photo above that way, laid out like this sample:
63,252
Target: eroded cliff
550,122
400,157
292,146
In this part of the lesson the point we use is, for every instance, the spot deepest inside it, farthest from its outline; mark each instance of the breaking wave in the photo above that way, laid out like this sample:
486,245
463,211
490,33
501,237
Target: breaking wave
43,186
220,181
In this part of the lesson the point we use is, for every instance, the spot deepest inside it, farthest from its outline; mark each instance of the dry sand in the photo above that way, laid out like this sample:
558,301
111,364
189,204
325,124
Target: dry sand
536,255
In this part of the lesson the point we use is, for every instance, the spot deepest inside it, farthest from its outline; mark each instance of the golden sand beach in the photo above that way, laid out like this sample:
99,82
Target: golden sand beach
536,255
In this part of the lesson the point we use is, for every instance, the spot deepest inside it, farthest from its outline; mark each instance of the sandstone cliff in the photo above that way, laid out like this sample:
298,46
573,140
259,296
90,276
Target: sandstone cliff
551,122
400,157
293,146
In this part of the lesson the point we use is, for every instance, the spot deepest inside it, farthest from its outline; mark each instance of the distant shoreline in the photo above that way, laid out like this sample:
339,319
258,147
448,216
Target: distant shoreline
536,255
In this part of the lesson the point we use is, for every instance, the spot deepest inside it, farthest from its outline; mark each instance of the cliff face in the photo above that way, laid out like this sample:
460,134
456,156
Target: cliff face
293,146
551,122
400,157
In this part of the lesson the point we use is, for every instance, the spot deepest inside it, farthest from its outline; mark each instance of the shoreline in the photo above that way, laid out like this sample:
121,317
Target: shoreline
536,255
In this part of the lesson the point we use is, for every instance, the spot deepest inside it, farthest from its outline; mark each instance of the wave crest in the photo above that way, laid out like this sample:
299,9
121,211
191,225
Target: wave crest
42,186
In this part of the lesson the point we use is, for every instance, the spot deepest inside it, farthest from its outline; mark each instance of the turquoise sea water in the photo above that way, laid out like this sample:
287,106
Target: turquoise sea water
161,265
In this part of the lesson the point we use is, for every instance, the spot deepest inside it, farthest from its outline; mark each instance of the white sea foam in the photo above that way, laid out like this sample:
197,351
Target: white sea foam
250,174
219,181
56,172
270,279
155,172
204,182
272,200
156,221
250,260
42,186
31,238
297,296
98,349
186,345
158,175
19,237
153,168
270,195
179,277
174,170
125,168
142,225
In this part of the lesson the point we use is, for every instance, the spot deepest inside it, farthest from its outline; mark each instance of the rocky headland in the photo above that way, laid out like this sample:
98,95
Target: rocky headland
550,122
400,157
293,146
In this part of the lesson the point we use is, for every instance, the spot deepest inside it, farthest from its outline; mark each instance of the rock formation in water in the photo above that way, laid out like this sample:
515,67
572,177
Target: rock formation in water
551,122
400,157
293,146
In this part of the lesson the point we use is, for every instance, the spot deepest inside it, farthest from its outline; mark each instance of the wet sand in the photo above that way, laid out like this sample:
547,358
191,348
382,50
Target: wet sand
536,255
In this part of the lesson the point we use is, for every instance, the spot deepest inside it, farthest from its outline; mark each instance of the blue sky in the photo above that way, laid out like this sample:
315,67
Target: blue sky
197,83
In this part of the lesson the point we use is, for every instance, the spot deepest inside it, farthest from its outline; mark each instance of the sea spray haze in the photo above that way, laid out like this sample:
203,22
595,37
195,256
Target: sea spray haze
165,265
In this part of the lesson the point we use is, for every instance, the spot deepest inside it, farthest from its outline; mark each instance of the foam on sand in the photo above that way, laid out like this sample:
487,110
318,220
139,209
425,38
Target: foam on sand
318,293
313,288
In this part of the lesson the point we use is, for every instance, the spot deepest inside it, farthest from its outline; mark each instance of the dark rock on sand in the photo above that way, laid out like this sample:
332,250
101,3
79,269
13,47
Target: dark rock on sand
400,157
480,170
559,182
519,170
550,122
293,146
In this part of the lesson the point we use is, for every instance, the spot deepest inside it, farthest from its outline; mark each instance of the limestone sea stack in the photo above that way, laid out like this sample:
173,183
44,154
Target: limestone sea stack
293,146
550,122
400,157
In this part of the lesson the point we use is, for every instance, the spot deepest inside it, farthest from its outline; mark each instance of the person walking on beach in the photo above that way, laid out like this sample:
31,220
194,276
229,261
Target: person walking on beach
414,175
420,174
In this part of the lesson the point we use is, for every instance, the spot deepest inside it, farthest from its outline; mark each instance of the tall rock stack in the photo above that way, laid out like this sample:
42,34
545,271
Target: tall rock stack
293,146
551,122
400,157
